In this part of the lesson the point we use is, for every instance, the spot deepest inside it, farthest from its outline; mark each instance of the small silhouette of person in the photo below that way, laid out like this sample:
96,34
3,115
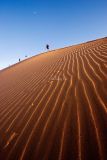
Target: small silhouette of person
19,59
47,46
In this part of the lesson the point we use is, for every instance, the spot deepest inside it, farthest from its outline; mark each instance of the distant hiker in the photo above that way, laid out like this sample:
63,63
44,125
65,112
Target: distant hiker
47,47
19,59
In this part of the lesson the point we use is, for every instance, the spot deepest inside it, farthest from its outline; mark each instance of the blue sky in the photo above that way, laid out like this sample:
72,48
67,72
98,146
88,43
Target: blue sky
26,26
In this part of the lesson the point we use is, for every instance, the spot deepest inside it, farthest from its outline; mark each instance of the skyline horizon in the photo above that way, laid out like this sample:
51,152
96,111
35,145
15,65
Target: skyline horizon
45,51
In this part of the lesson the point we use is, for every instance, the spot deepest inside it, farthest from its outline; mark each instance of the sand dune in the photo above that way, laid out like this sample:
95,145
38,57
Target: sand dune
54,106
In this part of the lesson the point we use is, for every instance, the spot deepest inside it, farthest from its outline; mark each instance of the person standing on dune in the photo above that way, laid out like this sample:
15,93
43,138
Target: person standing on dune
47,46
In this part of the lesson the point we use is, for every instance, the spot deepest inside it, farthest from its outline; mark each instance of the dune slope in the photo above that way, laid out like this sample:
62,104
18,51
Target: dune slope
54,106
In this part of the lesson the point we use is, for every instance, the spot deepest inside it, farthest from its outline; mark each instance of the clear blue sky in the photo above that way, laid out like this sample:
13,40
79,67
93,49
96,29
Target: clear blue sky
27,25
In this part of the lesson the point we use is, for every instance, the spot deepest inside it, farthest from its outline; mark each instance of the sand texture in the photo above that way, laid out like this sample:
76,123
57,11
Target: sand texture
54,106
